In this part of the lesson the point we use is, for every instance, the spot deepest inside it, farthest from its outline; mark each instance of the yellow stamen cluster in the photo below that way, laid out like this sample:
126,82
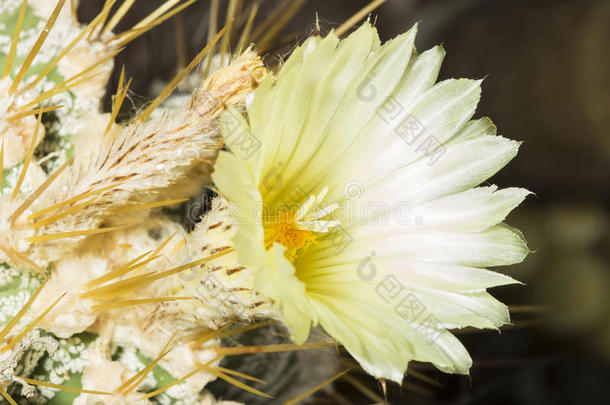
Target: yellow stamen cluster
288,232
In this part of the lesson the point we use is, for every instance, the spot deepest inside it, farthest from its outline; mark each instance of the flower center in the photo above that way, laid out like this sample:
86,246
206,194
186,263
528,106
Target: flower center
295,229
289,233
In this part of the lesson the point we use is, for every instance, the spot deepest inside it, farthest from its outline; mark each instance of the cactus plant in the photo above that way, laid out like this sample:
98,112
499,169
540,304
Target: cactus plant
107,298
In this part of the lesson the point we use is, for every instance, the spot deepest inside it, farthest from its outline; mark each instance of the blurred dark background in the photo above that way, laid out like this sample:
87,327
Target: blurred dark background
547,83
